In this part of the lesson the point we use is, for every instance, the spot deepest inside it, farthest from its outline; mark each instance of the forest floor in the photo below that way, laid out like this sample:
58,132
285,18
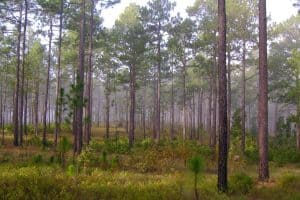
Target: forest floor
108,169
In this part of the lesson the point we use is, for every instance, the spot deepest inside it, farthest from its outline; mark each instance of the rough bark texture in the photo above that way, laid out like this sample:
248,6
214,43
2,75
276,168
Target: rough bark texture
200,123
229,96
214,100
58,82
209,112
16,97
107,108
298,127
21,109
80,80
157,102
184,104
263,171
88,125
132,105
47,86
172,106
223,151
243,100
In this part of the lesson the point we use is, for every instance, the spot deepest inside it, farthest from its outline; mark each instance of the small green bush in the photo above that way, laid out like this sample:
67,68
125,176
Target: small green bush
240,183
37,159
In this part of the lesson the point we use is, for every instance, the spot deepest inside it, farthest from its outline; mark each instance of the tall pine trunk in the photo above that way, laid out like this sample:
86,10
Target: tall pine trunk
243,103
229,95
88,125
21,111
17,89
58,81
132,105
263,171
80,82
223,151
47,86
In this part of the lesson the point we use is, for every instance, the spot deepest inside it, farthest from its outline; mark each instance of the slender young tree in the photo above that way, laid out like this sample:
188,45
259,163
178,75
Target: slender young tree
223,151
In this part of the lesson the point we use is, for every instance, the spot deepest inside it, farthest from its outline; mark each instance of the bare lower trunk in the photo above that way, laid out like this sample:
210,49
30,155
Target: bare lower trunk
263,171
58,83
88,125
172,106
21,111
157,112
17,90
243,103
209,113
184,105
229,96
80,81
26,109
107,108
132,106
223,128
200,123
47,86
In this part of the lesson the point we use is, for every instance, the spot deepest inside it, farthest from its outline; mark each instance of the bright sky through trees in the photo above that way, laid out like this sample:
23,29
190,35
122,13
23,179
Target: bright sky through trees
279,10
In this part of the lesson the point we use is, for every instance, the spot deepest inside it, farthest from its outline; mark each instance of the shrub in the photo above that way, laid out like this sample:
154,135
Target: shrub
196,165
37,159
63,146
35,141
240,183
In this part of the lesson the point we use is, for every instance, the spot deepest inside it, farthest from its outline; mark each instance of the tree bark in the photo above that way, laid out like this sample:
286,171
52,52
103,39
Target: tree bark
184,103
243,103
80,81
209,112
223,151
88,125
17,90
229,95
263,171
200,123
47,85
21,111
157,112
107,108
132,106
172,134
58,76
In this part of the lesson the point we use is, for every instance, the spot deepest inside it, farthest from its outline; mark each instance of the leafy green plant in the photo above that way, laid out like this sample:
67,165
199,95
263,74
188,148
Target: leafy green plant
240,183
63,147
37,159
196,165
71,170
